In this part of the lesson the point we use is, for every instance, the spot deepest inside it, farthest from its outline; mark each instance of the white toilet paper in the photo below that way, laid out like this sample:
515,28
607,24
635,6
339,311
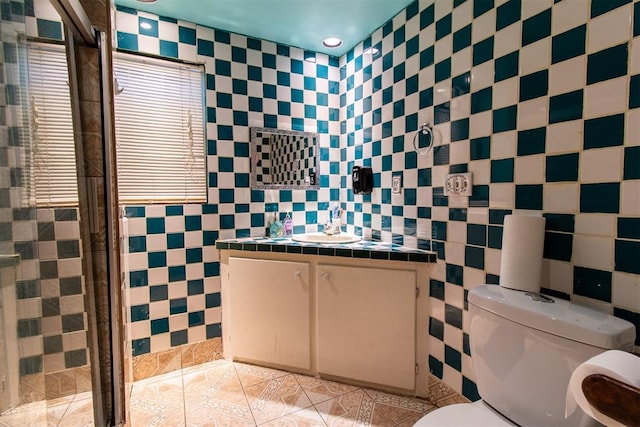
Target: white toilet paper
616,364
522,248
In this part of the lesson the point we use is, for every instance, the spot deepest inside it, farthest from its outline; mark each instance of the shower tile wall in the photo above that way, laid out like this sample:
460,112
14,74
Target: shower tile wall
539,100
174,270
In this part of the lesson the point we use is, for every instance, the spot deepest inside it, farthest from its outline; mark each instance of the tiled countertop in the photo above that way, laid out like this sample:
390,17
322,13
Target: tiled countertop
362,249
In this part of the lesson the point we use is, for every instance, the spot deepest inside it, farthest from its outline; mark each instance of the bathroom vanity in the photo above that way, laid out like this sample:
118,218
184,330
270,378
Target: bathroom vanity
355,312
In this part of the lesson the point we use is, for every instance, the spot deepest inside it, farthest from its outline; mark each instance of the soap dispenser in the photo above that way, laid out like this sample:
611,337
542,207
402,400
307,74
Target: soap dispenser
288,225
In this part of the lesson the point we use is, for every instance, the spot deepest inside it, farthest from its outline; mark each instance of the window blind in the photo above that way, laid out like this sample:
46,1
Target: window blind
159,131
52,161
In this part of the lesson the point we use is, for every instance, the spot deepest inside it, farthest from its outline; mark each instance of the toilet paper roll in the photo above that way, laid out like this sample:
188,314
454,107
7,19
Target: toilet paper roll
522,247
616,364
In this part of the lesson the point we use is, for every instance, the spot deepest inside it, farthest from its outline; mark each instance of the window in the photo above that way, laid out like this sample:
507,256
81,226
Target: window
159,131
52,160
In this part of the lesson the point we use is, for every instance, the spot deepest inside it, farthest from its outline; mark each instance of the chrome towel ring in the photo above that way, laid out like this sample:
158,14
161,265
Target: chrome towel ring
425,130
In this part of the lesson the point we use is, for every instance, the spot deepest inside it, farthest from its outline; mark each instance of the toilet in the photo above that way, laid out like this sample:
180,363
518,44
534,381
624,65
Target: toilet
525,346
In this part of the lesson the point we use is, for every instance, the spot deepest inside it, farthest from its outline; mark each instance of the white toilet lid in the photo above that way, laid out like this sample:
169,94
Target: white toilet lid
464,414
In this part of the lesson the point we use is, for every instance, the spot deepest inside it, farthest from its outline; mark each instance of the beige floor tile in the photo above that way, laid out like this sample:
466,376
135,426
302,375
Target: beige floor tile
400,409
215,394
78,414
276,398
307,417
158,403
251,374
355,408
319,390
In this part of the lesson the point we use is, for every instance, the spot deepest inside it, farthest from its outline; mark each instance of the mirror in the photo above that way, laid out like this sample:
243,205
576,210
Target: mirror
284,159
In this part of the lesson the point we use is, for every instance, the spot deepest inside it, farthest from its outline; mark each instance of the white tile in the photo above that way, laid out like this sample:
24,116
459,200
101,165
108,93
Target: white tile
472,277
457,232
567,76
197,333
569,14
505,93
626,291
160,342
561,276
458,153
140,329
629,197
30,308
452,378
593,252
462,16
461,61
71,304
443,48
564,137
592,165
561,198
455,252
74,340
138,295
460,107
441,93
502,196
634,56
158,276
507,40
503,145
158,309
29,346
480,125
453,335
530,169
609,29
442,8
533,113
156,242
606,98
632,134
595,225
535,57
484,26
148,44
168,31
532,8
178,322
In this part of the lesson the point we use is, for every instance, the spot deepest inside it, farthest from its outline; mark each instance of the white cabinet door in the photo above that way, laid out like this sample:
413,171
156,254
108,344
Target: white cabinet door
270,305
366,324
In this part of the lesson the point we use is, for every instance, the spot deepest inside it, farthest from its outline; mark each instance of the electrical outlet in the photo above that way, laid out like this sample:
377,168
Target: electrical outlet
458,184
396,184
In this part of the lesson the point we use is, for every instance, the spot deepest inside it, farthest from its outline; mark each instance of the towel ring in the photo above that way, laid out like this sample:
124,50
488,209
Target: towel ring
425,129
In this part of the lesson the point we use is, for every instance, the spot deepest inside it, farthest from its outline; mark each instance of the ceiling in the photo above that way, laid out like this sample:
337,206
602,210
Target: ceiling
299,23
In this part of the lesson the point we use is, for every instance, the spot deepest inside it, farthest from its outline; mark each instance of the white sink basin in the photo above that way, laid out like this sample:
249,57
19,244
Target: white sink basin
325,238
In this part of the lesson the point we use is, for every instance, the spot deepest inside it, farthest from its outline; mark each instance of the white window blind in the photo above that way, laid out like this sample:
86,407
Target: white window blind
53,162
159,131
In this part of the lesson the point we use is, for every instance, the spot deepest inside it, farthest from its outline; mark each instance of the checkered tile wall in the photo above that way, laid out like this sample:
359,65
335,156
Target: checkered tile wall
174,270
539,100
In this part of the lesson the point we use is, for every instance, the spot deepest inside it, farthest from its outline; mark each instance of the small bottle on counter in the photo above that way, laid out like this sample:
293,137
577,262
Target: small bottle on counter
288,225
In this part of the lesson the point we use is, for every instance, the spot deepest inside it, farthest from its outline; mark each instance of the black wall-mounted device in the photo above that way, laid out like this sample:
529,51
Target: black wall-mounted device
362,180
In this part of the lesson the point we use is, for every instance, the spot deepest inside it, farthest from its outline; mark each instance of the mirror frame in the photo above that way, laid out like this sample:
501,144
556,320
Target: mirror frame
254,153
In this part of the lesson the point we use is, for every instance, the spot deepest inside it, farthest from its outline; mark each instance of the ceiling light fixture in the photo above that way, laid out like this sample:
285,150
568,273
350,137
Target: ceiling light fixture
331,42
147,1
371,51
309,56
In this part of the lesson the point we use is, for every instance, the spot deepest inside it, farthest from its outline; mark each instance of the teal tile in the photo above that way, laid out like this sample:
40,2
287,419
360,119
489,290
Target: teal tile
139,312
634,89
636,19
604,132
474,257
560,222
631,163
532,141
476,234
443,27
607,64
534,85
160,326
537,27
506,67
591,283
569,44
600,198
529,197
558,246
629,228
505,119
599,7
481,7
157,259
460,130
482,100
460,85
443,70
565,107
483,51
508,13
494,237
480,148
502,170
462,38
49,29
562,168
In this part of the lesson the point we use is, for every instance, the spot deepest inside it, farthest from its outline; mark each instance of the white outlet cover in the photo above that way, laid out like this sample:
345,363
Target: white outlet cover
396,184
458,184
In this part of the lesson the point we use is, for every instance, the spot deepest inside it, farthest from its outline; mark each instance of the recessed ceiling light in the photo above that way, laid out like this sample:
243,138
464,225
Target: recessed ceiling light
331,42
309,56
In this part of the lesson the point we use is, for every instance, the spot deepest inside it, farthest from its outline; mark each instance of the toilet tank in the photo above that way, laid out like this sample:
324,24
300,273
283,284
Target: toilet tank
525,346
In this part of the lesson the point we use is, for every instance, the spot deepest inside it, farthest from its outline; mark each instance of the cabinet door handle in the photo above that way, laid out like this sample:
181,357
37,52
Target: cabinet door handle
297,274
325,276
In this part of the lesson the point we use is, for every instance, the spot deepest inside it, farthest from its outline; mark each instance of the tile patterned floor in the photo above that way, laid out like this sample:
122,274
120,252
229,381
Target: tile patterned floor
224,393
